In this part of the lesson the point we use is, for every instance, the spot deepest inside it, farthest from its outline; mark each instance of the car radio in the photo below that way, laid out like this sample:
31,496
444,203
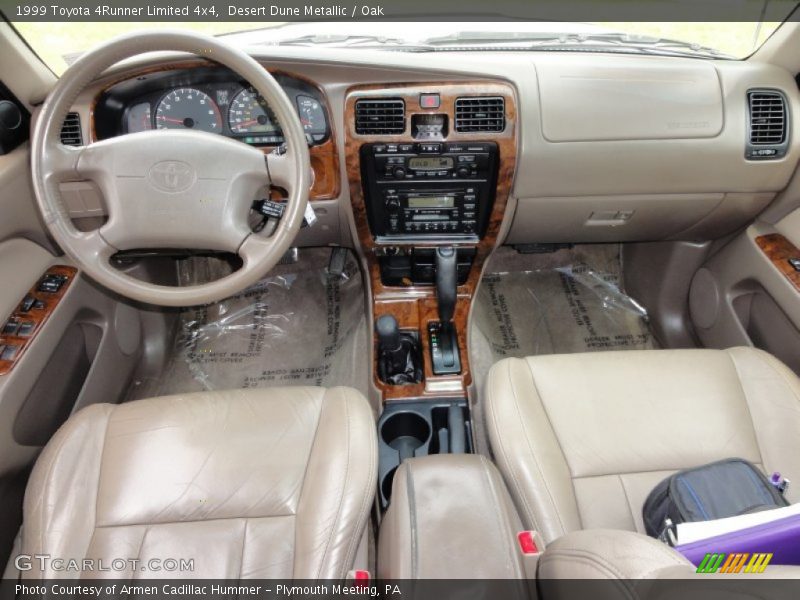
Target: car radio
429,188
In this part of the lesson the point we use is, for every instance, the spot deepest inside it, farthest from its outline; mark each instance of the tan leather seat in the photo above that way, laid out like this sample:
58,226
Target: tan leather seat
252,483
582,439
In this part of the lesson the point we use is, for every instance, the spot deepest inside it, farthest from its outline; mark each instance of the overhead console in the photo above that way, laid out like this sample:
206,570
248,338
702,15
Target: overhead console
430,168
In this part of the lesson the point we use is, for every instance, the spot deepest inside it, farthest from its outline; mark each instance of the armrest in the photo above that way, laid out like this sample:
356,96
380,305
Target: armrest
450,517
611,554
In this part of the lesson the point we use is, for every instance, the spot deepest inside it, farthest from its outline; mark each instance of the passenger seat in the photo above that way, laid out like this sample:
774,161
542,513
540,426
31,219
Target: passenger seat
582,439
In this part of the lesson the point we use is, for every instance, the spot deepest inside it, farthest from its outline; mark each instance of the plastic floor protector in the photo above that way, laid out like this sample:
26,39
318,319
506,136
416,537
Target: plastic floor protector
565,302
298,326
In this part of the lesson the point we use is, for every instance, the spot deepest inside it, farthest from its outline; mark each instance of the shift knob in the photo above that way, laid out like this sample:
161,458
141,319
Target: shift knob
388,333
446,282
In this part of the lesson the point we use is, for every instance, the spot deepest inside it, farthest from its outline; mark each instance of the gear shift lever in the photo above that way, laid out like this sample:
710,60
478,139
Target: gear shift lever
399,362
446,282
443,336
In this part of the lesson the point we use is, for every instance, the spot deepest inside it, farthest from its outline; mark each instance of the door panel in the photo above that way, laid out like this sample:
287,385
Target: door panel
745,296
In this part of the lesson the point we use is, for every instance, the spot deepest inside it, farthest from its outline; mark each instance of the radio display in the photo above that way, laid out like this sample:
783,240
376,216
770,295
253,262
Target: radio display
430,163
431,201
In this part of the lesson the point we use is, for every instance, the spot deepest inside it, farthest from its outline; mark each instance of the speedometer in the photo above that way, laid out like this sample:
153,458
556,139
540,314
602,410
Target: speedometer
249,113
188,108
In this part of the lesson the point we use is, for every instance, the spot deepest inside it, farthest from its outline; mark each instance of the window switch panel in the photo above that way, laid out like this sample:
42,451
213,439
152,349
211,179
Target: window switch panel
11,327
26,329
27,304
9,352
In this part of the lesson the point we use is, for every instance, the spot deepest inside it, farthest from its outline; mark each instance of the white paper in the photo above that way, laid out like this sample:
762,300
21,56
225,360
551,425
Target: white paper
702,530
310,216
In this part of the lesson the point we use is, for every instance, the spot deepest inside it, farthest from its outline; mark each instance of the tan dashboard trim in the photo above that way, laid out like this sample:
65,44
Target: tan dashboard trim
415,307
324,157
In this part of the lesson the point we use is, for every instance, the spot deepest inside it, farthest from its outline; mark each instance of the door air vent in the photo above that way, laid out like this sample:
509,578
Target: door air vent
71,130
480,114
380,116
768,124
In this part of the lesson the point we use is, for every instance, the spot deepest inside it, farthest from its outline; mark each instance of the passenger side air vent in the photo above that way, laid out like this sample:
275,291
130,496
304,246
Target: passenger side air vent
478,114
768,124
380,116
71,130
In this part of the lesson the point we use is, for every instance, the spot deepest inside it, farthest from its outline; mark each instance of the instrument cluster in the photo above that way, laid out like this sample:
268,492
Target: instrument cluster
206,100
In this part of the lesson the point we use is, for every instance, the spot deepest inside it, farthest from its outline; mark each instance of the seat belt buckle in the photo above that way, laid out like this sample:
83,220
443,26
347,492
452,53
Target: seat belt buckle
531,546
530,542
359,577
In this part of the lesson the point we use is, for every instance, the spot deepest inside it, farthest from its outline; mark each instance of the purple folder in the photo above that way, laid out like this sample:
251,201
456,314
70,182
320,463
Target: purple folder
780,537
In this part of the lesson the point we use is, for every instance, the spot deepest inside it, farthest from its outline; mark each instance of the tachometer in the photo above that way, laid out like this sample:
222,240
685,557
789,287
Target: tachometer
188,108
249,113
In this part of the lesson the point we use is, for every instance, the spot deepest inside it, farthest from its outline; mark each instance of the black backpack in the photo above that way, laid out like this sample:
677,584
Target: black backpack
726,488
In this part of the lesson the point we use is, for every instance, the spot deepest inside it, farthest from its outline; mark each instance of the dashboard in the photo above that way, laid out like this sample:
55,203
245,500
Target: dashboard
604,148
206,99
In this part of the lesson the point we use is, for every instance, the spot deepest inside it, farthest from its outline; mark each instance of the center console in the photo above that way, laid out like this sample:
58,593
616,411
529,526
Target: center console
430,167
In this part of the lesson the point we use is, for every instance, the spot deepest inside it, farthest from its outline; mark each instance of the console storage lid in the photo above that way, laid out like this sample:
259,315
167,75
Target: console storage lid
450,517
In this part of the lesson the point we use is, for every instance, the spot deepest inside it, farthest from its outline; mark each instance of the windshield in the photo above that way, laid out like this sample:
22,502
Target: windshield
58,44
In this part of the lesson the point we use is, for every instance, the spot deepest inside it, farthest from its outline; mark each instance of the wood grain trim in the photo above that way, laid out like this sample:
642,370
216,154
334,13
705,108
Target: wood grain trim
779,250
414,307
36,316
324,157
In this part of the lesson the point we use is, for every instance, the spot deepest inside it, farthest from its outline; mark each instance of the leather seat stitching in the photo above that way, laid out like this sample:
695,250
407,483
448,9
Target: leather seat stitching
530,447
780,374
363,512
739,380
511,468
99,475
308,459
56,453
587,558
501,519
627,499
244,541
412,517
343,488
189,521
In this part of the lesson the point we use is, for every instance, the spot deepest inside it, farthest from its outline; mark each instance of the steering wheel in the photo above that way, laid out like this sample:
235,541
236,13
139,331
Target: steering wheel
170,188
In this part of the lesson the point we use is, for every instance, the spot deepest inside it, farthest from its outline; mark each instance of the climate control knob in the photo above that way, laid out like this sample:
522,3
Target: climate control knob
399,173
393,204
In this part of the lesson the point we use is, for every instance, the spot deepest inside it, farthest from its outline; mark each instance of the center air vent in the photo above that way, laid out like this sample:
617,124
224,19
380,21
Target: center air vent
767,125
478,114
71,130
380,116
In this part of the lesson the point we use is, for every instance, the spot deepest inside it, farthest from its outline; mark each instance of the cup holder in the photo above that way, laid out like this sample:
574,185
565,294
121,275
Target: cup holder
415,429
388,481
405,432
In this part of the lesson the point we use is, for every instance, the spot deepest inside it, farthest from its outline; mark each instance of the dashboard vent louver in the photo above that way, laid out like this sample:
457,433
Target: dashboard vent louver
480,114
768,124
767,118
380,116
71,130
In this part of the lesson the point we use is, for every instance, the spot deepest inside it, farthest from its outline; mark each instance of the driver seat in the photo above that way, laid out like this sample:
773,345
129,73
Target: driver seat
582,439
267,483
